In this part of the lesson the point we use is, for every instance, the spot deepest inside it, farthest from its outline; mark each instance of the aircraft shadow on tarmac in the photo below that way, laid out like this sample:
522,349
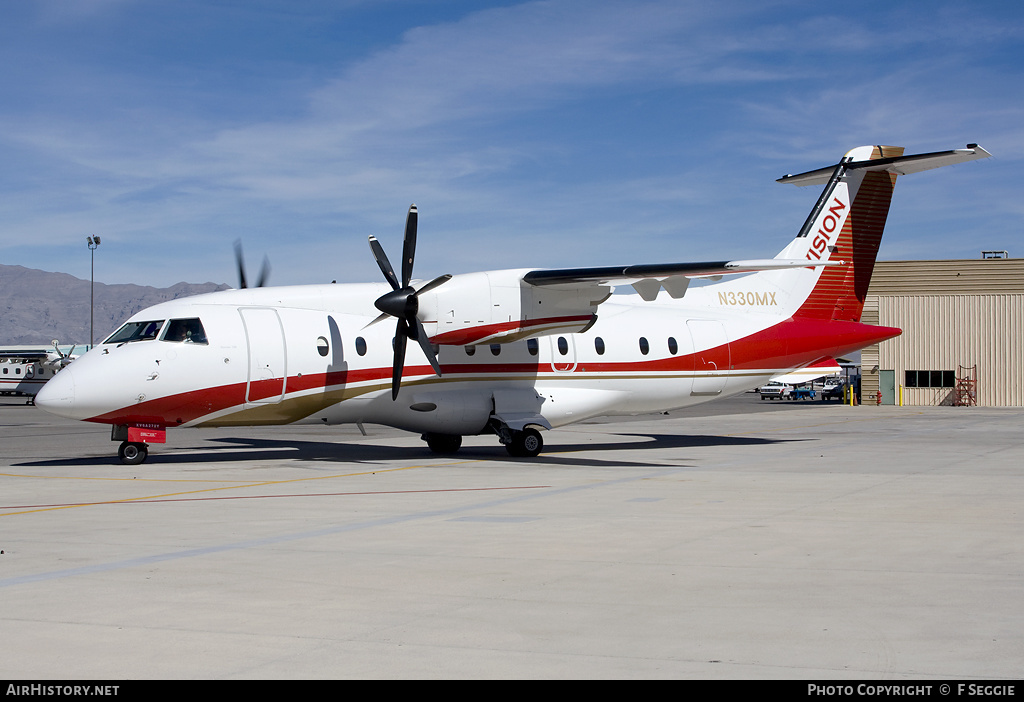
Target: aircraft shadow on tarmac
611,453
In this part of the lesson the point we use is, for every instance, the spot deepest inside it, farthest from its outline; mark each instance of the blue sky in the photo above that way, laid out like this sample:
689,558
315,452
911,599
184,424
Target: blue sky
529,134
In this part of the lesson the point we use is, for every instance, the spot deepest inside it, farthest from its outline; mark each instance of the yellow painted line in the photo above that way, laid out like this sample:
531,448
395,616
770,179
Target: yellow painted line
328,477
132,479
207,490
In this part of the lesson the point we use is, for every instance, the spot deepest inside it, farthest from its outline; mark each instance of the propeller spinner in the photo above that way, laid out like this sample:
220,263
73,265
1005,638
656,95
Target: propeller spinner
403,301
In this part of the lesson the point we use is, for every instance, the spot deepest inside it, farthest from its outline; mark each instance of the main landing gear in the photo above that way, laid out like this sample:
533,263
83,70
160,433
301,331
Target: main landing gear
526,443
444,444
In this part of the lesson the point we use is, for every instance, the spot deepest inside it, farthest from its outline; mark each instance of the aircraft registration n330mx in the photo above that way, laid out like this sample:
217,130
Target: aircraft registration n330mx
508,352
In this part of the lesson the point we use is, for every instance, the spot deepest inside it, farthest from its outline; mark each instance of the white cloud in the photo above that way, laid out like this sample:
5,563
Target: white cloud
546,133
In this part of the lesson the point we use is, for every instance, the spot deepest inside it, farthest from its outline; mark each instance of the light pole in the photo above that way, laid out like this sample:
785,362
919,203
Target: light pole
94,241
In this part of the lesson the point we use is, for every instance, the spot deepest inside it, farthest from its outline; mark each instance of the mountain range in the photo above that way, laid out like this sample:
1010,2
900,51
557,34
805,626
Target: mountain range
38,306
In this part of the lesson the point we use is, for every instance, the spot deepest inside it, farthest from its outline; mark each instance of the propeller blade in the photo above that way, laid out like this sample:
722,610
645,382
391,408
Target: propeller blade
434,283
403,302
401,337
409,245
425,345
380,318
240,263
383,262
264,272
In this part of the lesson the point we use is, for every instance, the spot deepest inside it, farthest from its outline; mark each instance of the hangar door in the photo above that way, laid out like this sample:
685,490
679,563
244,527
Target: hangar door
887,384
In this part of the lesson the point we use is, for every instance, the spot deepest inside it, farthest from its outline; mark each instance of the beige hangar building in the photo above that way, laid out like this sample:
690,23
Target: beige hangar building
963,333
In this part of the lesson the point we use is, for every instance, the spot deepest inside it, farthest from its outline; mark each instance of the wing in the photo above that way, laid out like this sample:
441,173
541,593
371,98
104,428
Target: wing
648,279
611,274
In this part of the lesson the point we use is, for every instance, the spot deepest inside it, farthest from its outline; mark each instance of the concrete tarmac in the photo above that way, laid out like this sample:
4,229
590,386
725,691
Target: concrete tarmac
743,540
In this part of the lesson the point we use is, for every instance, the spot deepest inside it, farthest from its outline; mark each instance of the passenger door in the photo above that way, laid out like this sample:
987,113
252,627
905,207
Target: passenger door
267,360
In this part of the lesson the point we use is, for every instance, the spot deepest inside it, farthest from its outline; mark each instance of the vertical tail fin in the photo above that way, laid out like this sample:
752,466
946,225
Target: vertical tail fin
848,220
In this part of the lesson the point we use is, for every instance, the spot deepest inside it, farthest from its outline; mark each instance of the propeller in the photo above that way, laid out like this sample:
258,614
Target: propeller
403,301
240,261
63,359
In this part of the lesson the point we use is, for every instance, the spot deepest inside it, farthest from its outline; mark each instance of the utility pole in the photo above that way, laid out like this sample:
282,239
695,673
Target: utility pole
94,241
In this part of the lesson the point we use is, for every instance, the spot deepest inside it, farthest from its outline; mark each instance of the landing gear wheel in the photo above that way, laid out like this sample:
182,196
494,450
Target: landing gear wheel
443,443
525,444
132,453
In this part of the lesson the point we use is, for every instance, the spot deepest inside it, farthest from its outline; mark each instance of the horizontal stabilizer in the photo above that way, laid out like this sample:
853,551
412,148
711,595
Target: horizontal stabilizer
900,165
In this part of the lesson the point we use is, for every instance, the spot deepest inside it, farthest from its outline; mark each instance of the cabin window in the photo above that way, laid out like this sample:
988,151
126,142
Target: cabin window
563,345
187,330
322,347
17,371
673,347
599,345
135,331
532,346
360,346
470,350
5,371
645,347
495,349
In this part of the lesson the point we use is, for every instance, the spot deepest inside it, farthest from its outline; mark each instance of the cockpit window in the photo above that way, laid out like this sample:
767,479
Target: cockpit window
135,331
190,330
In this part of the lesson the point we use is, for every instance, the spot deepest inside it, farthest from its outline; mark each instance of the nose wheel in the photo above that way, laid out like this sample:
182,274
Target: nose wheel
132,453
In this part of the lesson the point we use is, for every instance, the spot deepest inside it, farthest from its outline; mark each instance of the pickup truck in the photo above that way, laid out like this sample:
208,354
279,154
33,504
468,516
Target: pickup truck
833,391
774,391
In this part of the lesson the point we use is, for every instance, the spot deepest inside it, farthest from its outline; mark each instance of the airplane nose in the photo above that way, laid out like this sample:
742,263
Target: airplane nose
58,395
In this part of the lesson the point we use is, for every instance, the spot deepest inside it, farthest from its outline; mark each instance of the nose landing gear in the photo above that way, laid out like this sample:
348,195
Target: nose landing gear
135,440
132,453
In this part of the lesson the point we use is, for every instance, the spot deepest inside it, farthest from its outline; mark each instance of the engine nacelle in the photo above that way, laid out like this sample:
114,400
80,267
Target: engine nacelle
498,307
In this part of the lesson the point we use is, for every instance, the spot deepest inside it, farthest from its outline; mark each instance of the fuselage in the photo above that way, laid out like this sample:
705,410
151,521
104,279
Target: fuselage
23,377
311,354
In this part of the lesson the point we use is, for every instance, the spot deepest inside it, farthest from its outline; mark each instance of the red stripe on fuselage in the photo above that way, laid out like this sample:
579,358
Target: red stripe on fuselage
791,344
461,337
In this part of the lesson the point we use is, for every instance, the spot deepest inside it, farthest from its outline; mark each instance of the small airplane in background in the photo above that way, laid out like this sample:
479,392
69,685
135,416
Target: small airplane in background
508,352
25,369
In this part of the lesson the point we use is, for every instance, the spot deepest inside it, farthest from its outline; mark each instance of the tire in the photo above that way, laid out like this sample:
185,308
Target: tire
444,444
132,453
525,444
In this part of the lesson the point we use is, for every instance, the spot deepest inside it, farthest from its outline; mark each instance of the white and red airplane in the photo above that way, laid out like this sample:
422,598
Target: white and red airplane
508,352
